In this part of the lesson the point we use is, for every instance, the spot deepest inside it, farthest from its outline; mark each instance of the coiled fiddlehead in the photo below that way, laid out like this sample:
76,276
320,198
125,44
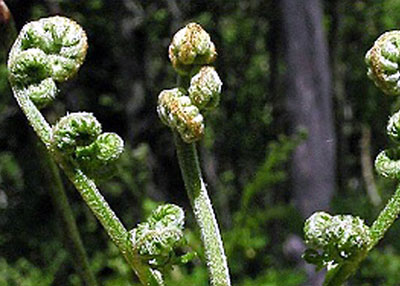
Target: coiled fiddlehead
191,46
78,138
387,163
46,51
383,62
337,237
157,238
205,88
176,110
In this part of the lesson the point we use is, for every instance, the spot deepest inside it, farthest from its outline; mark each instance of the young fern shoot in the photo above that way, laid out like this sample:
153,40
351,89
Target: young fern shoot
50,51
182,109
342,242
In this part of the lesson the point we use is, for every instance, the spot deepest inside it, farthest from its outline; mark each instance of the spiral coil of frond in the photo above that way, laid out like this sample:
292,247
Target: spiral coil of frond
176,110
78,137
46,51
157,238
332,239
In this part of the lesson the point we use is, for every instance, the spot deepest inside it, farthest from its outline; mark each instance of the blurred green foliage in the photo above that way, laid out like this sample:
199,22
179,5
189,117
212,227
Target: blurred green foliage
244,153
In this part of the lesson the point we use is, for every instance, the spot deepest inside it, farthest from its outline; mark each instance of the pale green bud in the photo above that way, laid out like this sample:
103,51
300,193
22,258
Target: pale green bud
387,163
46,51
348,234
191,46
205,88
31,72
98,160
383,62
110,147
156,239
393,127
176,110
333,239
315,229
75,129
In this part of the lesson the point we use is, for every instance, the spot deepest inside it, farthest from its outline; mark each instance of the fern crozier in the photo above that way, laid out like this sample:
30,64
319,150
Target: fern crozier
205,88
191,46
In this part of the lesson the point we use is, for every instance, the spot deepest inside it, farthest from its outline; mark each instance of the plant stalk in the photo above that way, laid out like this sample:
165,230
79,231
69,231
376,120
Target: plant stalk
203,211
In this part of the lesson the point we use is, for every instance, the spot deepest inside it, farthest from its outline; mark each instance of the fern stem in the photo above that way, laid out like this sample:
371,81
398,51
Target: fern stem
203,211
386,218
60,201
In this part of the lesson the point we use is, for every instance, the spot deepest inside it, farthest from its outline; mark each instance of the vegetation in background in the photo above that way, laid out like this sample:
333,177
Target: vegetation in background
245,156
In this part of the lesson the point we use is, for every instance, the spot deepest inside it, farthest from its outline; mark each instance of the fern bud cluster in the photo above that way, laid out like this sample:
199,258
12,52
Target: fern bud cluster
190,52
332,239
46,51
156,239
78,137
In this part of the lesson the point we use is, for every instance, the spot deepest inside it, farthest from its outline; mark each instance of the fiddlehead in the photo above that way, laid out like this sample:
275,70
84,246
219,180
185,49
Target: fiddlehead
46,51
191,46
383,62
176,110
387,163
77,138
157,238
205,88
334,239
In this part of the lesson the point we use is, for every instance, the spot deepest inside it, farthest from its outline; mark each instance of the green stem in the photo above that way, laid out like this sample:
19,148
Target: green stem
378,229
63,207
386,218
91,195
203,211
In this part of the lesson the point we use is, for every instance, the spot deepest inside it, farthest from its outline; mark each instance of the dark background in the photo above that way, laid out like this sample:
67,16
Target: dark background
297,130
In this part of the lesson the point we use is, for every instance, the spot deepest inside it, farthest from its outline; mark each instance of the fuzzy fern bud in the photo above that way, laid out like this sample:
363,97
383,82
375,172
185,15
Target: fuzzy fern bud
387,163
78,138
205,88
177,111
314,229
156,238
393,127
46,51
191,46
75,129
383,62
98,159
336,237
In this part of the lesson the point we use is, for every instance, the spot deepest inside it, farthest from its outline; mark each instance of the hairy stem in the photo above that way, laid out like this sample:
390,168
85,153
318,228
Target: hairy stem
378,229
60,201
386,218
203,211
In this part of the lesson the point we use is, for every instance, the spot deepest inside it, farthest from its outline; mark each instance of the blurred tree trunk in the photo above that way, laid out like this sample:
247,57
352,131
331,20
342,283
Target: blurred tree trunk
309,104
